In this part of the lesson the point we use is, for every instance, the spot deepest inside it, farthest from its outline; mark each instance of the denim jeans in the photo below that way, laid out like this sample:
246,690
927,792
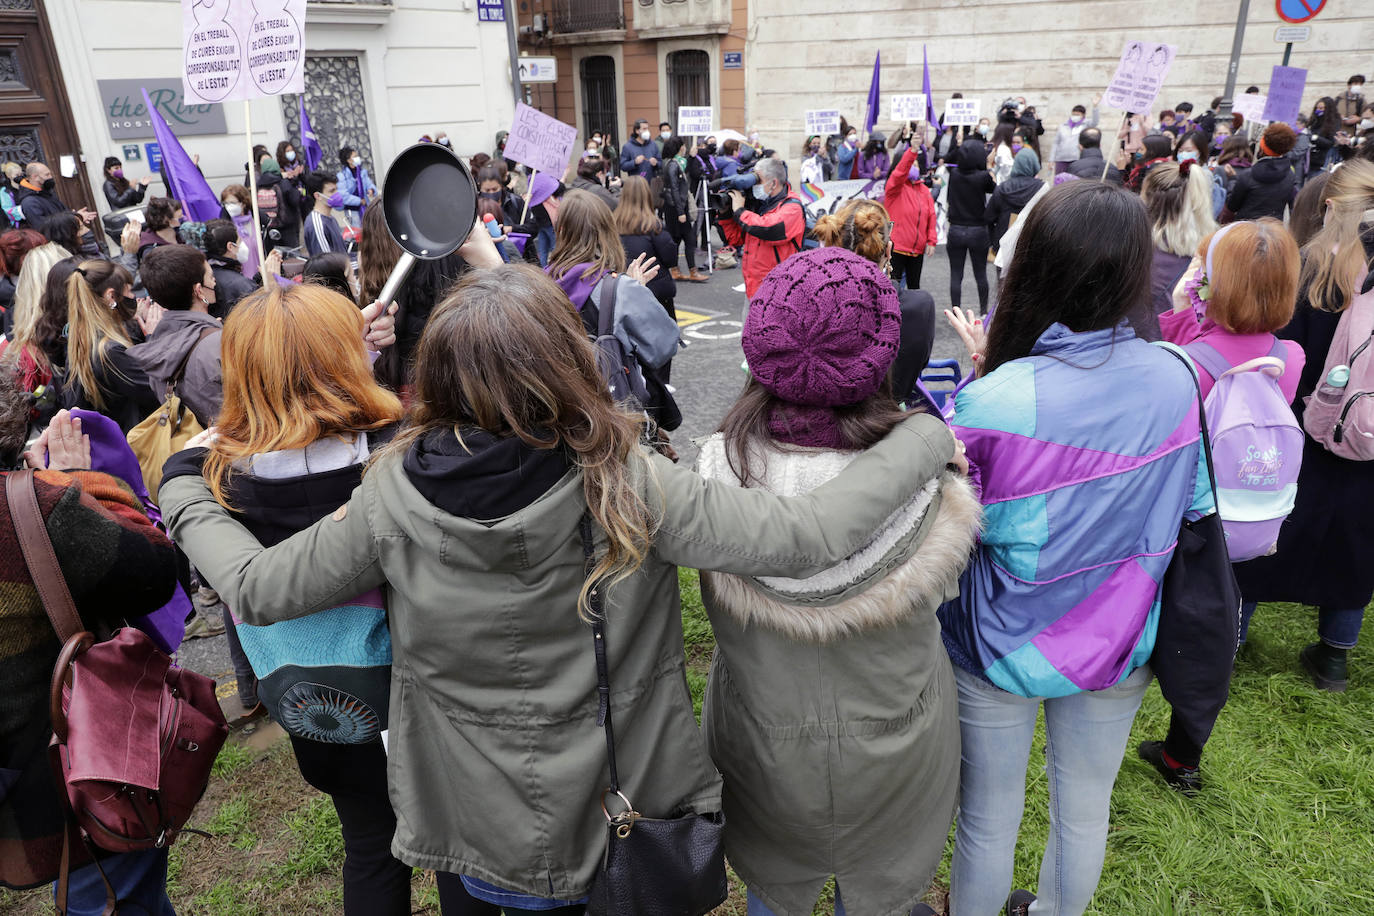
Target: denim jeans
543,243
1337,628
758,908
138,878
1085,739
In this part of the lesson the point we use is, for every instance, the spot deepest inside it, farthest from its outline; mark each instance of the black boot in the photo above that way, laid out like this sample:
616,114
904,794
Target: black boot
1326,665
1186,780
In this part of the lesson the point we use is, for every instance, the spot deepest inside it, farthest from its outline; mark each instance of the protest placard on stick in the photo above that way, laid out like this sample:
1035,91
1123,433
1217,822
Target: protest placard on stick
539,141
1139,75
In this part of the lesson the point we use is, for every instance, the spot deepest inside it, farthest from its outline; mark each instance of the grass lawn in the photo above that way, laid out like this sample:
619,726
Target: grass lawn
1285,825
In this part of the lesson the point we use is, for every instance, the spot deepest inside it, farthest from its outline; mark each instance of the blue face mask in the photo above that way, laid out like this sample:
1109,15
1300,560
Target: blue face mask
760,193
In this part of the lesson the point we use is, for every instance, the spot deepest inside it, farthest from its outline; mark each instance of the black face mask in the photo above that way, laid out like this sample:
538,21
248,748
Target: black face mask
49,184
128,305
491,195
711,148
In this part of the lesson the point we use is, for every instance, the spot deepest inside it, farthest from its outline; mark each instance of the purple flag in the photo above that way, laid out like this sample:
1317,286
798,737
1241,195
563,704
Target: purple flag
925,87
873,102
184,180
310,145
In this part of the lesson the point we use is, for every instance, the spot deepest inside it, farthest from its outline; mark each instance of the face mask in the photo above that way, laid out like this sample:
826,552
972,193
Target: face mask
128,303
335,200
760,193
290,155
754,137
241,254
852,140
117,173
710,149
356,161
1190,155
984,129
490,195
644,136
49,184
1319,112
1357,90
1017,147
444,141
665,134
233,208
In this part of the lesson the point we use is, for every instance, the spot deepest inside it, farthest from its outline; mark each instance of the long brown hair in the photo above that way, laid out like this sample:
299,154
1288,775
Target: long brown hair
295,371
377,253
504,353
1331,261
92,326
634,215
585,233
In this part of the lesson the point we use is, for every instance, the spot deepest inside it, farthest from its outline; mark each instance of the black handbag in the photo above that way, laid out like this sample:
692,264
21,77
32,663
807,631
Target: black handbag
1199,617
671,866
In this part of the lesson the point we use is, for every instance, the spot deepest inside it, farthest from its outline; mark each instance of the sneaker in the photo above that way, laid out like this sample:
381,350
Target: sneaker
202,626
1327,669
923,909
1186,780
1018,904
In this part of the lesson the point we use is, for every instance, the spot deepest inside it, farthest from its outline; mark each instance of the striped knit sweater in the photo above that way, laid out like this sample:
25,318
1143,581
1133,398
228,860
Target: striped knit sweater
117,565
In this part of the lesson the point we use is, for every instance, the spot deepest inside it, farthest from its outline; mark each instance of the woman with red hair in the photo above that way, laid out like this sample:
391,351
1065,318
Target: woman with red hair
14,247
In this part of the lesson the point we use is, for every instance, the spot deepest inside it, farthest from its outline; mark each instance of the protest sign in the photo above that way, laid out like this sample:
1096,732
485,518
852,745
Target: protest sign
1250,106
242,49
693,122
1139,75
909,107
1286,85
823,122
539,141
963,111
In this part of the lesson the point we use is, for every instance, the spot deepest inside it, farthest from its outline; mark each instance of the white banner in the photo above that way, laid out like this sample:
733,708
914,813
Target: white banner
1139,75
694,122
963,111
909,107
1250,105
242,49
824,122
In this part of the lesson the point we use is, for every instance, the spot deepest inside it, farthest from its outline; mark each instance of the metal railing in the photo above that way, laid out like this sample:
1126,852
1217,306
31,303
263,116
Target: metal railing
587,15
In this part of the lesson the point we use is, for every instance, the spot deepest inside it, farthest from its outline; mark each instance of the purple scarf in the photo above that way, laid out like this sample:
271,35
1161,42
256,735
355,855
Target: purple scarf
577,288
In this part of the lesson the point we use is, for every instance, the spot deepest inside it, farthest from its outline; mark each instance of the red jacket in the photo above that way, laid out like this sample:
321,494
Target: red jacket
770,237
911,207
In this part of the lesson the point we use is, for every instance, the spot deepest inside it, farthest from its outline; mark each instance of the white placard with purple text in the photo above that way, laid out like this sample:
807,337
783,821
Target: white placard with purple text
693,122
1139,75
1250,105
909,107
242,49
824,121
539,141
963,111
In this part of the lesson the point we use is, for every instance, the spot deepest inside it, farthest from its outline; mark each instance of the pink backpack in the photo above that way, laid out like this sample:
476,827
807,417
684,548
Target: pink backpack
1340,413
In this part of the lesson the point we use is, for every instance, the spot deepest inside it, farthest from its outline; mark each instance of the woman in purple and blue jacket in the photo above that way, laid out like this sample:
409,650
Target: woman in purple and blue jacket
1085,475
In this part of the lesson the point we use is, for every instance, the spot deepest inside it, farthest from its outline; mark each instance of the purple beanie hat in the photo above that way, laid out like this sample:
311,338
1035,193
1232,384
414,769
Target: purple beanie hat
822,332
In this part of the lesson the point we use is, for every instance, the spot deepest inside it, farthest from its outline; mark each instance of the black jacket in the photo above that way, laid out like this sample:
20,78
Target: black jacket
38,205
967,195
124,387
676,193
1010,197
288,210
129,197
230,286
1089,165
1264,189
660,246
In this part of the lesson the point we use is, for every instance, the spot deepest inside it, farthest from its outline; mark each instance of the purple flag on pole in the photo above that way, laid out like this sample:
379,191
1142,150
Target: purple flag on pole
310,145
873,102
185,182
925,87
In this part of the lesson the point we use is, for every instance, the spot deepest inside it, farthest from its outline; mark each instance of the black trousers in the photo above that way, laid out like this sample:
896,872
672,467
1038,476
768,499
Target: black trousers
682,233
909,266
973,242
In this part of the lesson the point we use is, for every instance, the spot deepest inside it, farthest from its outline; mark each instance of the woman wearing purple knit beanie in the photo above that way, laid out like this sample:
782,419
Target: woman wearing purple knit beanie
831,708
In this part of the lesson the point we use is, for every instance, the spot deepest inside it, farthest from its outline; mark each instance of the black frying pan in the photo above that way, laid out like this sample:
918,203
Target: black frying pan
430,203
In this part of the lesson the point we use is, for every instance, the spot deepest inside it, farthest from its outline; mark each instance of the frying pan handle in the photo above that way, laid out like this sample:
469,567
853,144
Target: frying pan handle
398,276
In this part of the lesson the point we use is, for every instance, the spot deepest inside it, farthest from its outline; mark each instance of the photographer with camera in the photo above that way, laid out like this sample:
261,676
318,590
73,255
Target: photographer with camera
773,231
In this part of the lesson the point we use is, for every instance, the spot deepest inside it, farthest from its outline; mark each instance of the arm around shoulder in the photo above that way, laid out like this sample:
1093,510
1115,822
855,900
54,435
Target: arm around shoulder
712,525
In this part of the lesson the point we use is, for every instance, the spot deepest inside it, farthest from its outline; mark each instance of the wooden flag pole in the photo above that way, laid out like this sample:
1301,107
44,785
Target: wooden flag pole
528,191
1107,163
253,188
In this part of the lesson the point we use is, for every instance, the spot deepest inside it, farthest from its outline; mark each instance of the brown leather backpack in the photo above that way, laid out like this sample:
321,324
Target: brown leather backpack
134,736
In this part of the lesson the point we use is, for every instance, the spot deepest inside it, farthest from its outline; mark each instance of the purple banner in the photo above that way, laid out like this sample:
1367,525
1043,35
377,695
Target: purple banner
1286,85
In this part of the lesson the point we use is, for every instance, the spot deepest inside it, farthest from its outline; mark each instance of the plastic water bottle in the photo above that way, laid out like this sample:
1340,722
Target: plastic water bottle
493,227
1338,377
1332,389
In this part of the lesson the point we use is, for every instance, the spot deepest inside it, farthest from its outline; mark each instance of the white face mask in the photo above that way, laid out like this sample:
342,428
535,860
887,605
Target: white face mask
1366,123
356,161
241,253
290,155
665,135
644,136
1357,90
233,208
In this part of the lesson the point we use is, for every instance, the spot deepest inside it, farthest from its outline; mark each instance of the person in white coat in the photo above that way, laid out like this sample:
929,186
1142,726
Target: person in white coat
1066,138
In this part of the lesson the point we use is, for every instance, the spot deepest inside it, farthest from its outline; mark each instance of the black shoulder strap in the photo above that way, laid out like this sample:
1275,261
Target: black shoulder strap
179,372
603,674
1202,420
605,319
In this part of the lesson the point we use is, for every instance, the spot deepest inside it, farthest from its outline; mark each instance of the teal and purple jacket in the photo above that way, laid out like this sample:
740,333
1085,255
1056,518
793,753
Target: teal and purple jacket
1087,457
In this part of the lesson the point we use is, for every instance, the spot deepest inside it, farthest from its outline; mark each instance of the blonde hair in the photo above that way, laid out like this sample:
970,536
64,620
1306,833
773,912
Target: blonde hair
504,353
1179,207
93,326
28,288
585,233
860,226
1254,279
634,215
1333,258
295,371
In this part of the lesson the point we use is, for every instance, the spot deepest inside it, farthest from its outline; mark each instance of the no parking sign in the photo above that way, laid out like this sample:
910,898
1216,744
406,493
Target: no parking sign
1299,10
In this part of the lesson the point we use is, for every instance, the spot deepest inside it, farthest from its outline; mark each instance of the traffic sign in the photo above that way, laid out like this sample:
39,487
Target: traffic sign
538,70
1298,10
1286,34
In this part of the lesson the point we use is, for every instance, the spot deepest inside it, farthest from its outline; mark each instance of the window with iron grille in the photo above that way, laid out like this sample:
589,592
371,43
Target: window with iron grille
689,80
599,109
587,15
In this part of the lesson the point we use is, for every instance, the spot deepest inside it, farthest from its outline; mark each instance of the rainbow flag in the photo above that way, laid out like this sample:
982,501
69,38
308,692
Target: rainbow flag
811,192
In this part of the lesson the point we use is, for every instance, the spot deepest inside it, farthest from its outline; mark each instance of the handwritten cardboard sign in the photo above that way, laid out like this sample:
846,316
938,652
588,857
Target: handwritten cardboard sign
693,122
963,111
1286,85
242,49
539,141
823,121
1250,106
1140,75
909,107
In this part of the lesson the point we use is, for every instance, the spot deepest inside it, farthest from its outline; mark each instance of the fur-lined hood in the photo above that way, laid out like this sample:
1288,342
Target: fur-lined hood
912,563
